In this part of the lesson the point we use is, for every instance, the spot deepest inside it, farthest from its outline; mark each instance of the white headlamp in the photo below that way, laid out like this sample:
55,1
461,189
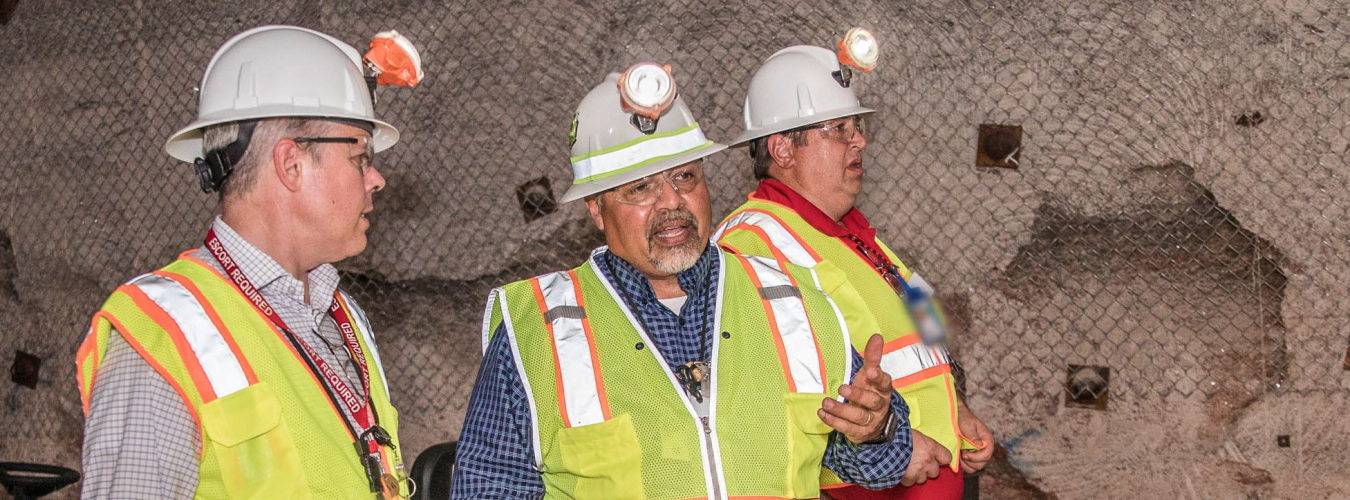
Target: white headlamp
647,90
859,49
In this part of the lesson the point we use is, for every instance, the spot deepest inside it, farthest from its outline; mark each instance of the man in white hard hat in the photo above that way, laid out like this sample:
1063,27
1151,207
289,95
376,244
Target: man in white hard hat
240,370
664,367
804,129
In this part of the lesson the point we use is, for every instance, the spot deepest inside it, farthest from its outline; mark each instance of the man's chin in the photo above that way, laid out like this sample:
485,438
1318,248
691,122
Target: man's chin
677,260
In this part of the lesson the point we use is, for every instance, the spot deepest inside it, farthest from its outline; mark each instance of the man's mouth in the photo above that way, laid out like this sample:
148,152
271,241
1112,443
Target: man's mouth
674,231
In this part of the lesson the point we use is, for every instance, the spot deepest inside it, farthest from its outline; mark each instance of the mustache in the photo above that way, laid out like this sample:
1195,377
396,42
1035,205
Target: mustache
664,218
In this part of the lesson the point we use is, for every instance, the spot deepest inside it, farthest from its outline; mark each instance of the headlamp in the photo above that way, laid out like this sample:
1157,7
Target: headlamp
646,90
859,49
393,60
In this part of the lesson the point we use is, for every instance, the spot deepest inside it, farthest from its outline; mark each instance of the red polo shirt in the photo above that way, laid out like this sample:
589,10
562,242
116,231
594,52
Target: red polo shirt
948,485
853,223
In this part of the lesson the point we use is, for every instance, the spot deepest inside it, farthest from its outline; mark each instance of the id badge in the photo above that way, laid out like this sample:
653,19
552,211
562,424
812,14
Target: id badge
919,300
925,316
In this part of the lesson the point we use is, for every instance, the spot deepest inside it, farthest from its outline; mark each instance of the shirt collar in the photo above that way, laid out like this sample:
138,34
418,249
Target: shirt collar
270,278
854,223
636,287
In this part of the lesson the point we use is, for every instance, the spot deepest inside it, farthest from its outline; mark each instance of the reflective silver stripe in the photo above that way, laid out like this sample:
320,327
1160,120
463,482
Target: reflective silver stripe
779,292
569,312
912,359
487,315
779,236
648,149
789,312
222,369
581,387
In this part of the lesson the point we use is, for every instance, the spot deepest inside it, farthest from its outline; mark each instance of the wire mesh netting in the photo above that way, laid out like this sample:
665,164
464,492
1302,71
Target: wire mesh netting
1175,220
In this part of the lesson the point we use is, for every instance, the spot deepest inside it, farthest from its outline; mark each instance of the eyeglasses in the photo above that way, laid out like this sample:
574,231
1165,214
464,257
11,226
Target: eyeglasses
844,131
364,160
645,191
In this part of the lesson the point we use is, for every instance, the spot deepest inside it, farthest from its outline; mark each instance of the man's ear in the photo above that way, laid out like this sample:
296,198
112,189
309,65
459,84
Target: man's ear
287,159
594,204
781,150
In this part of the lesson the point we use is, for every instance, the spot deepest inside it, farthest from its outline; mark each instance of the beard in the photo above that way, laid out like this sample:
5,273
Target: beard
679,258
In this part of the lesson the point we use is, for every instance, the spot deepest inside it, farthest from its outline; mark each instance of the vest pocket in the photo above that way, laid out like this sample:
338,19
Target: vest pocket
807,437
604,459
252,445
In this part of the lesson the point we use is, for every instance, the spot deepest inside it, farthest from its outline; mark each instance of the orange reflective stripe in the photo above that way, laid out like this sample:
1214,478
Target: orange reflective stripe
956,427
191,287
557,366
773,325
163,373
590,339
900,343
921,376
87,348
275,331
170,327
187,253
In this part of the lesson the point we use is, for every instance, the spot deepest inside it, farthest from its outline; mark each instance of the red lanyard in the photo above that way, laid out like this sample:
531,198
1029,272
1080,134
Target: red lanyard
343,393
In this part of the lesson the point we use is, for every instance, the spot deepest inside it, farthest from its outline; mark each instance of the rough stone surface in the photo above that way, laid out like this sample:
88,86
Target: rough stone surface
1178,215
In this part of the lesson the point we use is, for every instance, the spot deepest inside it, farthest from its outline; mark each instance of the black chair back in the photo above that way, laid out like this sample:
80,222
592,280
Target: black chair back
432,471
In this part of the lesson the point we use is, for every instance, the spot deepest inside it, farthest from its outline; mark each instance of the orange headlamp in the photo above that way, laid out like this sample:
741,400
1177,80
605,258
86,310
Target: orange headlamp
393,60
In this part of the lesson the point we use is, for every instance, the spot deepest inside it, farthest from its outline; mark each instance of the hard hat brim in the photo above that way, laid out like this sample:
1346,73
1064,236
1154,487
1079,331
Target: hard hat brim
577,192
186,144
785,125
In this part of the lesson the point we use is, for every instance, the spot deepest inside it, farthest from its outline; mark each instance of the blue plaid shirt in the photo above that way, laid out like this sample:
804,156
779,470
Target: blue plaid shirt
496,456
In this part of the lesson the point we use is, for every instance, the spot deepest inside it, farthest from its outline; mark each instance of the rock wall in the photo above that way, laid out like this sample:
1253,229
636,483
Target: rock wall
1178,215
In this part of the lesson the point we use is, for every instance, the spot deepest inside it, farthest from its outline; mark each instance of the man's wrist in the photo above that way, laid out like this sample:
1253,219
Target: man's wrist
887,431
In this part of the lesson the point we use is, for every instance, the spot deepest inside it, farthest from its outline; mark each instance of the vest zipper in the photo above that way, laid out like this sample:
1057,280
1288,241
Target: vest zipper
712,465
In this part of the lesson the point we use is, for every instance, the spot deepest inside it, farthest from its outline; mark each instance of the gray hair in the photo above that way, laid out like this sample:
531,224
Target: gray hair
759,151
258,154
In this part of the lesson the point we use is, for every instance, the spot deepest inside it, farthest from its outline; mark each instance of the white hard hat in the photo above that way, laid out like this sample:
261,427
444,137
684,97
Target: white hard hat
609,150
281,71
797,86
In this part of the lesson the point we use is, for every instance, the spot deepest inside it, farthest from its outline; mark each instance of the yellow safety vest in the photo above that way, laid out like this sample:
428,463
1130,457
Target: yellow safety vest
609,419
267,428
922,374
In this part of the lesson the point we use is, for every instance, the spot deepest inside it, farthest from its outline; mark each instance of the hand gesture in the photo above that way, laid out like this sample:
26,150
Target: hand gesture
864,416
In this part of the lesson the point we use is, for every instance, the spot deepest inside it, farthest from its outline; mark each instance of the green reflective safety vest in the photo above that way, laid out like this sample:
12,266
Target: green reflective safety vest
611,421
922,374
267,428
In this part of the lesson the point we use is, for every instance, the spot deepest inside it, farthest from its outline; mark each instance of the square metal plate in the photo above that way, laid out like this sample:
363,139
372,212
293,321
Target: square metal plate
536,198
1087,386
1000,146
25,369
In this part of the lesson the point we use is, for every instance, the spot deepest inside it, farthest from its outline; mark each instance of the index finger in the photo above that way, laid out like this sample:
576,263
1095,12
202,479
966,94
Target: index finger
872,353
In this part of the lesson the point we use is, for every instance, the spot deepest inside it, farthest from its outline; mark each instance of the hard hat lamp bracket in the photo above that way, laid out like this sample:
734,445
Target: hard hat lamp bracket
644,124
843,76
